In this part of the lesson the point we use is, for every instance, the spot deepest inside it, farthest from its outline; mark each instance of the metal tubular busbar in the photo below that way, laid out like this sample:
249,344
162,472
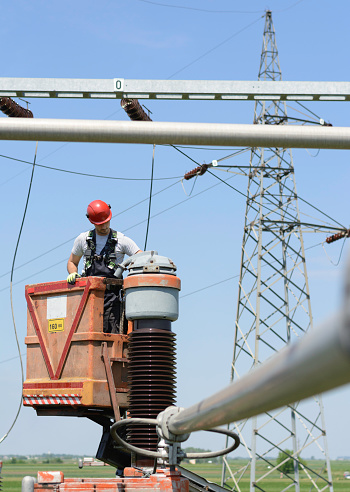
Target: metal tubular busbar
150,132
319,362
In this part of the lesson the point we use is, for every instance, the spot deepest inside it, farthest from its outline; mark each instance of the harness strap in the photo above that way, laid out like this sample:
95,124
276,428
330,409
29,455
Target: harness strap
108,251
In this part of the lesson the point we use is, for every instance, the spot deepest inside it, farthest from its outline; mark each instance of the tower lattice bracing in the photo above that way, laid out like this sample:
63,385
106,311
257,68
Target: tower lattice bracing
274,309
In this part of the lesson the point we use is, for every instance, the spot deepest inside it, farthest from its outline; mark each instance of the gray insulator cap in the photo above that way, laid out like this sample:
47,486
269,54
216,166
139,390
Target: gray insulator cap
28,484
151,262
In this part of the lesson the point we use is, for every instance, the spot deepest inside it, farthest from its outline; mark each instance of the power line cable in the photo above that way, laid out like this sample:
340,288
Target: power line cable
11,297
150,199
288,8
194,183
143,221
234,154
36,273
183,7
204,148
120,213
177,204
235,189
311,155
209,286
86,174
12,358
298,196
215,47
231,278
13,177
301,112
317,209
309,110
340,254
217,177
238,191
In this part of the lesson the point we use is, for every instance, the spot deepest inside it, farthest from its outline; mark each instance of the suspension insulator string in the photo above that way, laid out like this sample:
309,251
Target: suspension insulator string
197,171
13,109
339,235
134,110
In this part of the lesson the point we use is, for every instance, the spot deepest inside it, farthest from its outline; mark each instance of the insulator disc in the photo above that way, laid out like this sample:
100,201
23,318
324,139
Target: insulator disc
151,381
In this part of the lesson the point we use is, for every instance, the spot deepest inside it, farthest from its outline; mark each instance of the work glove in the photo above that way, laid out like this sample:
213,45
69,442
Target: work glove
72,277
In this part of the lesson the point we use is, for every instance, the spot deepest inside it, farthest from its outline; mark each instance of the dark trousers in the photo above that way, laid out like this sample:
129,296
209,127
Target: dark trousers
111,314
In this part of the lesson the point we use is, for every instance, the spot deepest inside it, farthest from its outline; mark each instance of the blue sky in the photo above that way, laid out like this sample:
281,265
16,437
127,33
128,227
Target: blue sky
145,40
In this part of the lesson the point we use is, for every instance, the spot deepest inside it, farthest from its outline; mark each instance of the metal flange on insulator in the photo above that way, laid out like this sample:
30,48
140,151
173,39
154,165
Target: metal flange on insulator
151,288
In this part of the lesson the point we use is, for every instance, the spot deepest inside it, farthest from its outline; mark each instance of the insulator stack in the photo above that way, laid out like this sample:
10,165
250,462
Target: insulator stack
151,379
151,303
134,110
14,110
197,171
337,236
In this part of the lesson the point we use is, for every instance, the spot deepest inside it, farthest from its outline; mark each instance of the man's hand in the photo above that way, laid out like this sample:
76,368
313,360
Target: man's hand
72,277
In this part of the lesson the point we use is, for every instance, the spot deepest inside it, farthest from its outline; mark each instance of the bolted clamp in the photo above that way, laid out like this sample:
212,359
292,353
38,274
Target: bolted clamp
162,425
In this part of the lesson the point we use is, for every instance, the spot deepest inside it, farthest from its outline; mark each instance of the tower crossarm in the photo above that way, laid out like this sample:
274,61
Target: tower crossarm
119,88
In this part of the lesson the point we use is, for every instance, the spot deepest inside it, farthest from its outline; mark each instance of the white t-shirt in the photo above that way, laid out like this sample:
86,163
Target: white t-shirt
124,245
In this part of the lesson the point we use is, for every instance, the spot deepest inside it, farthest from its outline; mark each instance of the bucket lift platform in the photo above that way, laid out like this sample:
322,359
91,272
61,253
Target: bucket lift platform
73,368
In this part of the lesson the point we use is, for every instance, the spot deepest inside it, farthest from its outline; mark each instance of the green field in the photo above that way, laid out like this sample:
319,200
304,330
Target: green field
12,474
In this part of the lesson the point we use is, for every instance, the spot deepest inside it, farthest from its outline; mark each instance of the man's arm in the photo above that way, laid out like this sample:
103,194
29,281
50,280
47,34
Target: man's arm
73,262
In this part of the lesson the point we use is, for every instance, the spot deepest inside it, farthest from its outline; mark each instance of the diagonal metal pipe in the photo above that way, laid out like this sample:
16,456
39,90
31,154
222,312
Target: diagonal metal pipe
319,362
150,132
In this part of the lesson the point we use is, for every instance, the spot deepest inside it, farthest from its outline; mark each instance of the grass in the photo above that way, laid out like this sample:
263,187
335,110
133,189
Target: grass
212,472
12,474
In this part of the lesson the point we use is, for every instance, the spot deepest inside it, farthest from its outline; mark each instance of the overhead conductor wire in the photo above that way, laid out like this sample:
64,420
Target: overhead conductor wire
215,47
150,199
86,174
13,316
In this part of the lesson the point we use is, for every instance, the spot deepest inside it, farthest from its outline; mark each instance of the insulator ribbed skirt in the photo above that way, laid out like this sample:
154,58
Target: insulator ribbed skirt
134,110
151,380
13,109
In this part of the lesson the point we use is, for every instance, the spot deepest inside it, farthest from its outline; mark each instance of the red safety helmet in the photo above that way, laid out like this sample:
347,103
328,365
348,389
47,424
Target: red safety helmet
98,212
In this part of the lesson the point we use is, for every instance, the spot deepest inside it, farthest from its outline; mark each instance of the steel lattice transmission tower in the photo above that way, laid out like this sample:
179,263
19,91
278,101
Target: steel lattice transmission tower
274,306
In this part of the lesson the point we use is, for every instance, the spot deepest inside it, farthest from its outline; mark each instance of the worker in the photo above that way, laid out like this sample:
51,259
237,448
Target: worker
103,249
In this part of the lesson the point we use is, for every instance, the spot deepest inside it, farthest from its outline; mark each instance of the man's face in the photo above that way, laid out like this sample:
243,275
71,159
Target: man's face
103,229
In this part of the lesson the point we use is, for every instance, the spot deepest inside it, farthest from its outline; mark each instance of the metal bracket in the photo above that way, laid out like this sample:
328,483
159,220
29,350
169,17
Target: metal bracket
110,381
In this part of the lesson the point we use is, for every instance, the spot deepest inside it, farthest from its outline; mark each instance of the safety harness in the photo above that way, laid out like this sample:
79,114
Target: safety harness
107,254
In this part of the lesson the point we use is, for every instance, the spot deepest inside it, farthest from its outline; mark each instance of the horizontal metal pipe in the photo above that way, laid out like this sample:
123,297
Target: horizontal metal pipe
147,132
319,362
